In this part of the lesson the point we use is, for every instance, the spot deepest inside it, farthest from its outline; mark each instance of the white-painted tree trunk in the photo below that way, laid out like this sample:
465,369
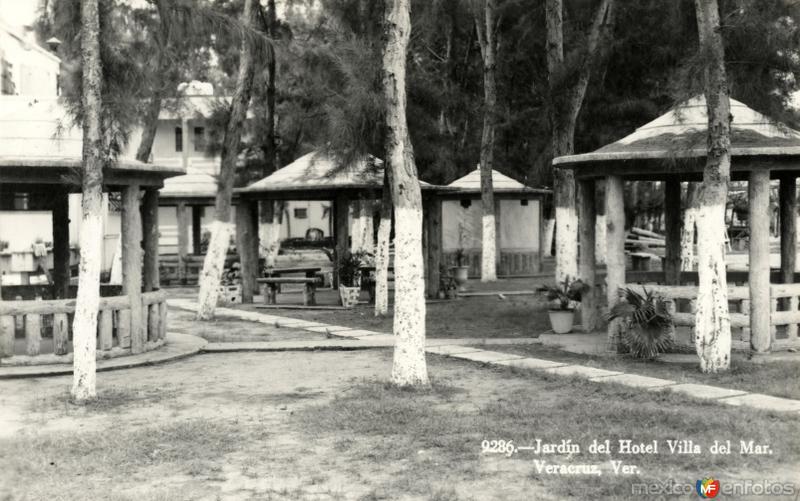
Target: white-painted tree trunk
87,304
566,243
687,239
600,235
409,367
488,249
356,228
268,236
712,321
213,266
367,229
381,267
549,231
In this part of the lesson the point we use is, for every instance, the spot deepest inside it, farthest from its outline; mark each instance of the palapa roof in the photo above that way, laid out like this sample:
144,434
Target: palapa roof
318,172
39,133
682,133
471,183
189,186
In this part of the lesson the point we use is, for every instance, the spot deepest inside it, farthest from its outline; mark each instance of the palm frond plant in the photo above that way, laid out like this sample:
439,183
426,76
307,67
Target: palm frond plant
563,294
647,326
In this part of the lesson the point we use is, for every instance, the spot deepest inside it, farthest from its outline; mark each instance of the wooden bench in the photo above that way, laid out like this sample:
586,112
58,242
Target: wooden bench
269,288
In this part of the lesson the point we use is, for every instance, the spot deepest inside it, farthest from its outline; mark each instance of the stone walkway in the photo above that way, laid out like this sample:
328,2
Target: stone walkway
176,347
465,349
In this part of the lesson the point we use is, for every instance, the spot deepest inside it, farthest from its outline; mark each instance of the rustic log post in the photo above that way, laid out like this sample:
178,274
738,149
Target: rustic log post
183,241
150,236
33,334
615,253
124,328
153,322
197,229
61,254
586,269
500,269
673,223
759,219
787,194
105,328
247,245
132,263
162,327
8,329
432,221
60,333
341,207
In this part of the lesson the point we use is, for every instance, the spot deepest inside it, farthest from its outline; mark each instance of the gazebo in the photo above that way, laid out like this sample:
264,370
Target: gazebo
518,219
40,161
316,176
672,148
189,194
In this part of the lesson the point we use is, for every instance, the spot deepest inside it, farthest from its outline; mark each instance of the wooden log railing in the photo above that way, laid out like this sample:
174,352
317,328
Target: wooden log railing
46,328
784,317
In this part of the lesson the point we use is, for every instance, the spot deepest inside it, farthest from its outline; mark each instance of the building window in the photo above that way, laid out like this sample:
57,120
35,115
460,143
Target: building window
301,213
178,139
523,202
466,202
199,139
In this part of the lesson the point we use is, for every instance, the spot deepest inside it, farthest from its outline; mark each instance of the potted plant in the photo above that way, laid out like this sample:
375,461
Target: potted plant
349,271
646,323
448,287
460,271
230,287
563,295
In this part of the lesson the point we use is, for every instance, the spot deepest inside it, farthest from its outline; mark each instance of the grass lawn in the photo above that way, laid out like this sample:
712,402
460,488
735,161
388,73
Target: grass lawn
224,329
308,426
479,317
781,379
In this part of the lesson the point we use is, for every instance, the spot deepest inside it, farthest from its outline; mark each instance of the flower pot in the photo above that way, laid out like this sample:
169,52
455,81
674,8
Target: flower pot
460,275
441,294
349,295
451,294
562,320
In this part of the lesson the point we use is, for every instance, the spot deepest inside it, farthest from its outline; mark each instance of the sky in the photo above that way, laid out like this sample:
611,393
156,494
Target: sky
18,12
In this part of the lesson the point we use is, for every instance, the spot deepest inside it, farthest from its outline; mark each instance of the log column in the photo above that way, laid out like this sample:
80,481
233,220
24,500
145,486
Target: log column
787,193
247,245
672,237
615,251
197,229
341,207
432,221
150,229
586,263
183,241
132,263
760,302
61,254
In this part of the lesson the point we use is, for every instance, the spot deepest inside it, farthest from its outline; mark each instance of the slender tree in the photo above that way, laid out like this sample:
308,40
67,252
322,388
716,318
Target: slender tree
712,322
382,248
409,367
688,227
567,89
486,27
84,325
222,227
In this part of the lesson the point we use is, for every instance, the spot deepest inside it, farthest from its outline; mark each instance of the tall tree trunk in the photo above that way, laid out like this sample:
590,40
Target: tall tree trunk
688,228
382,249
712,322
485,25
566,100
84,325
600,229
222,227
269,147
150,123
409,366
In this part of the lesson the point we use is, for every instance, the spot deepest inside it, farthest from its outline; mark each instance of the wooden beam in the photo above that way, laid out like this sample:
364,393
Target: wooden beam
150,236
132,263
341,206
615,254
61,253
673,223
247,247
432,221
183,240
760,303
587,215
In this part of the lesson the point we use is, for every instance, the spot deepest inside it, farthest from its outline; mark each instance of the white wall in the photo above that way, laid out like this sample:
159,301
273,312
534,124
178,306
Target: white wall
34,69
519,225
317,218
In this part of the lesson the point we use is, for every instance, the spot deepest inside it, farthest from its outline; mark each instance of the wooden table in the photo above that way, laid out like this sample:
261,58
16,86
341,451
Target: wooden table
308,271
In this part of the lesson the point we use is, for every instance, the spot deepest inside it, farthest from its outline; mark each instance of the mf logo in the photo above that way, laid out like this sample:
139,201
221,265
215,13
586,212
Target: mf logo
707,488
